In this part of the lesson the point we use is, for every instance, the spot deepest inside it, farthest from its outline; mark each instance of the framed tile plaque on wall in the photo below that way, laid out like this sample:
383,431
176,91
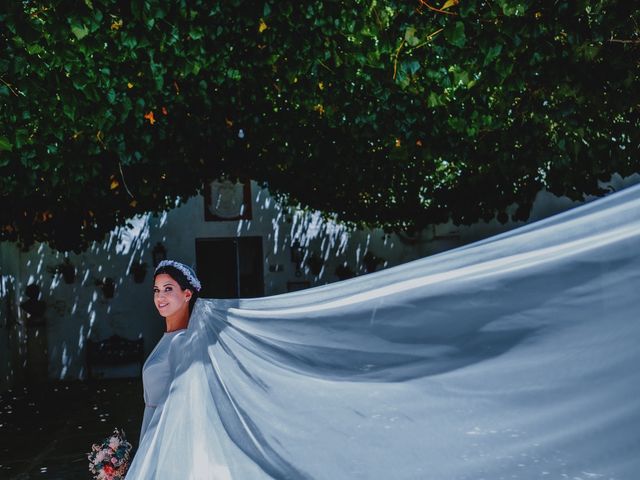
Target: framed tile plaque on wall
226,200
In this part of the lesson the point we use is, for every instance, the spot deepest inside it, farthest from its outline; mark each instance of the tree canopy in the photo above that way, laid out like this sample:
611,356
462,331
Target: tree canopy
385,113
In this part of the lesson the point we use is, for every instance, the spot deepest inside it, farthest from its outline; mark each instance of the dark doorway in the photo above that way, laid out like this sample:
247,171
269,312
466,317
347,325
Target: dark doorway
230,267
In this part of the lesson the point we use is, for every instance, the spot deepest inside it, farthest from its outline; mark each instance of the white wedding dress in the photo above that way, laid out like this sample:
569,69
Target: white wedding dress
513,357
157,373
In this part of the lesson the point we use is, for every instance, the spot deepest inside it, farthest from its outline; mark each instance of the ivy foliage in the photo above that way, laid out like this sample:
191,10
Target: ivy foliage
384,113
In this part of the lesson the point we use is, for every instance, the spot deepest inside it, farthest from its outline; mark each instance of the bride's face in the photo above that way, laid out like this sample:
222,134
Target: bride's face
168,297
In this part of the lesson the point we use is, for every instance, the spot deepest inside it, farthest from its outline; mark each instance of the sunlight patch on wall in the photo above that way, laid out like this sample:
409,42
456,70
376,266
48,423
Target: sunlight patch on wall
310,225
163,219
92,321
81,337
131,237
65,361
275,223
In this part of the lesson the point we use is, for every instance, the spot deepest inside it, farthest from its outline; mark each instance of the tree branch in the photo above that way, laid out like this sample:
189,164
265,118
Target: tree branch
9,86
429,38
438,10
124,181
395,62
325,66
618,40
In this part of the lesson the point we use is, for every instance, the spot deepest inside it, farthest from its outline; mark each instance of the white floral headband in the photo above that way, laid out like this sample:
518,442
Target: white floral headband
187,271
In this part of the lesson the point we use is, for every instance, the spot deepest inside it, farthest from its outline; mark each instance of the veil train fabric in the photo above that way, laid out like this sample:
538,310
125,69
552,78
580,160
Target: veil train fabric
513,357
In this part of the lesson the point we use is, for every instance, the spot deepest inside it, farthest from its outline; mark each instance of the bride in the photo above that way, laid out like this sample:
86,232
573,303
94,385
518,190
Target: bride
175,291
513,357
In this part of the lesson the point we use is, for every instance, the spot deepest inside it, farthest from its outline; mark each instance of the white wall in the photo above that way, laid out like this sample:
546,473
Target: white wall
79,310
12,341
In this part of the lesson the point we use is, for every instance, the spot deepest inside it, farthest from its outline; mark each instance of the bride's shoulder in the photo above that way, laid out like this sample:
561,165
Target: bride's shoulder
179,334
178,347
178,338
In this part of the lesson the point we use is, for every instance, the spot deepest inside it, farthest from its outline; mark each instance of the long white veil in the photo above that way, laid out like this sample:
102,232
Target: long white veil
513,357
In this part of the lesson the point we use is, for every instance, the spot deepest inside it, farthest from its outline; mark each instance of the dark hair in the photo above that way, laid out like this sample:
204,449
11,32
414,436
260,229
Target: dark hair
181,279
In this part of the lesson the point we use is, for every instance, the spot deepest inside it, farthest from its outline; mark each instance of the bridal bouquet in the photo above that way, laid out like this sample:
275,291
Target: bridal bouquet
109,460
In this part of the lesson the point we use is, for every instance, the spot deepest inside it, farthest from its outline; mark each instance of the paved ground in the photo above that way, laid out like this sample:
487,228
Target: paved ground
46,432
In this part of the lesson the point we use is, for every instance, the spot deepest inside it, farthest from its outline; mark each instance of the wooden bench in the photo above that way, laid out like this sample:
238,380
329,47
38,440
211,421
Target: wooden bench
114,351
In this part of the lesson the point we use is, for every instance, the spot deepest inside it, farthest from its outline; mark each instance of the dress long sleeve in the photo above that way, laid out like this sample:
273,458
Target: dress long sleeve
157,372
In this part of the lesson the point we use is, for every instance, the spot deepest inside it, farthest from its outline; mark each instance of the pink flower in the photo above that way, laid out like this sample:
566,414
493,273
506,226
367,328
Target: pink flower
100,456
114,443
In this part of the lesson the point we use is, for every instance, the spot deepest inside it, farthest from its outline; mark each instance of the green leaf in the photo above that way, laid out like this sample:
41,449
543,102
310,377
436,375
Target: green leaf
412,67
455,34
434,100
512,8
234,74
69,110
34,48
410,36
196,33
129,41
80,31
5,144
492,54
403,79
22,137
